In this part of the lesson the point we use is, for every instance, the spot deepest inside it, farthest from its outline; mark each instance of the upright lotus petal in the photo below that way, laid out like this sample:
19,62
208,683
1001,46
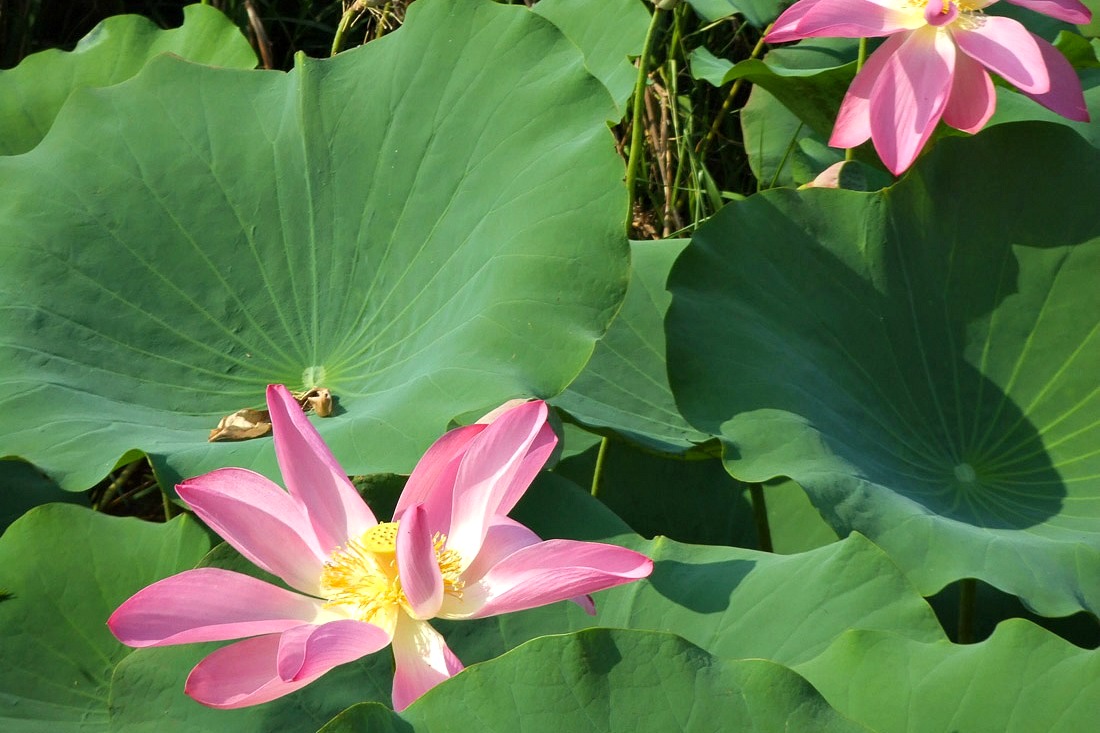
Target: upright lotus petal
935,65
450,552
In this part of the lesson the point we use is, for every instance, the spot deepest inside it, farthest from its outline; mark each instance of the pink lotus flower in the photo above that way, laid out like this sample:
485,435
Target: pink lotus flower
449,553
933,66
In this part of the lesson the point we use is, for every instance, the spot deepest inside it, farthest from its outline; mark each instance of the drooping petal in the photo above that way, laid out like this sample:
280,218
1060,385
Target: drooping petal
421,579
972,99
432,481
551,571
488,473
312,474
263,522
1005,47
910,95
310,651
422,660
1071,11
843,19
860,19
208,604
785,27
242,674
853,122
1065,96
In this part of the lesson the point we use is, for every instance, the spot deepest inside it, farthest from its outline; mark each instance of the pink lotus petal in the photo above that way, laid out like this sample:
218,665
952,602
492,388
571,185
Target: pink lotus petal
432,481
312,474
538,453
1065,96
1070,11
310,651
1005,47
853,122
422,660
856,19
490,416
972,99
421,580
241,674
910,95
504,537
208,604
555,570
263,522
785,27
489,472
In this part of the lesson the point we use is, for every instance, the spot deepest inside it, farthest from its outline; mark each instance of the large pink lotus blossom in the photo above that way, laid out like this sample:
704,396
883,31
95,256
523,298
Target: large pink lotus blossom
933,65
450,552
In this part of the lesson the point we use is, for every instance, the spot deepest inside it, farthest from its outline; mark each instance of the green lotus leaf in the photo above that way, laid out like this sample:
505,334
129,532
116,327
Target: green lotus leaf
624,387
23,487
32,93
425,246
920,360
809,78
64,570
757,12
1021,679
611,680
607,33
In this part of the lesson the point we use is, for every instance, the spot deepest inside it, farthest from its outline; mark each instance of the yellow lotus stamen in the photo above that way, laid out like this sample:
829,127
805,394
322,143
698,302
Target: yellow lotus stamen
362,578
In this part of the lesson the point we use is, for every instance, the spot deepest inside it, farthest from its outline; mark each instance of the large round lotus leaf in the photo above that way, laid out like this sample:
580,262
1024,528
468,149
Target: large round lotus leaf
427,226
63,570
115,50
612,680
921,360
1021,679
624,387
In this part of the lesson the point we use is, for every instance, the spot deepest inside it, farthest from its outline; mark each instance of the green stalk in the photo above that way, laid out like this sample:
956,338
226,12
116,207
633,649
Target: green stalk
597,473
727,104
346,19
112,489
636,131
861,56
760,517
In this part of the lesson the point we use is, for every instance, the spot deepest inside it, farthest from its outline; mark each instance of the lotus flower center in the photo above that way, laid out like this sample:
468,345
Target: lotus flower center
362,577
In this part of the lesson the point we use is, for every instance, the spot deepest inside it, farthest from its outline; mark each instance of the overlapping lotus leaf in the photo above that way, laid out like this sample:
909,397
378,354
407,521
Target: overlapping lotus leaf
921,360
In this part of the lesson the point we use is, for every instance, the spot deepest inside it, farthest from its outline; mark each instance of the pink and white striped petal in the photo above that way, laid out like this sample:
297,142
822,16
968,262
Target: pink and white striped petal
242,674
786,25
263,522
1071,11
858,19
310,651
422,660
1006,48
312,474
972,99
421,579
488,473
1065,96
208,604
910,95
551,571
